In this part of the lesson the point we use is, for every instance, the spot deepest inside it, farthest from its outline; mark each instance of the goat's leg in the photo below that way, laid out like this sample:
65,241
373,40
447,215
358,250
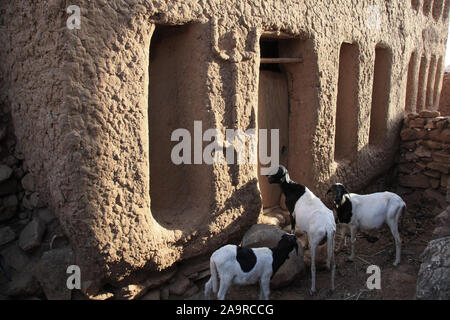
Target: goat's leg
331,262
393,225
306,242
264,288
353,230
343,232
224,285
261,294
313,266
342,228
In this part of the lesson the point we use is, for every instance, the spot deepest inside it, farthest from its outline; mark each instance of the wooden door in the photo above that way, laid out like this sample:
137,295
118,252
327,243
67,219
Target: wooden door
273,113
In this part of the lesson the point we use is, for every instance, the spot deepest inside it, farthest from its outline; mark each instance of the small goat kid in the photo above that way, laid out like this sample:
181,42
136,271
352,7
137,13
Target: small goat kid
367,212
243,266
311,216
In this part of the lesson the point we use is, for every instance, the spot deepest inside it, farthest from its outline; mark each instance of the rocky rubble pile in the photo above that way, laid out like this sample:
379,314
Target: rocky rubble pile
183,281
424,162
29,232
433,281
434,275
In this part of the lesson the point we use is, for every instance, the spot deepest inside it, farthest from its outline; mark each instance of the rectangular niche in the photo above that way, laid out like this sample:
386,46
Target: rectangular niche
446,11
380,95
421,90
415,4
438,83
411,85
437,9
430,83
179,194
427,4
347,103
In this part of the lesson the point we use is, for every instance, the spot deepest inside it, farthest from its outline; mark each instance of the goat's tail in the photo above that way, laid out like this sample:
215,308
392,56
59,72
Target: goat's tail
331,264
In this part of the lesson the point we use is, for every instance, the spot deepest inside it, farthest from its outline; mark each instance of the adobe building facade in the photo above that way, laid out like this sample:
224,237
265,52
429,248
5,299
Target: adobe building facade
93,110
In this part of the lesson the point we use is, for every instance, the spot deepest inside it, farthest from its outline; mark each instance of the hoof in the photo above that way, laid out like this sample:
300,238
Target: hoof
312,292
349,259
395,263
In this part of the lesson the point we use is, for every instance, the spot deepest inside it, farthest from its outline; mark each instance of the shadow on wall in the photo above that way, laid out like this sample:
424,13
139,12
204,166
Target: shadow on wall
247,200
388,172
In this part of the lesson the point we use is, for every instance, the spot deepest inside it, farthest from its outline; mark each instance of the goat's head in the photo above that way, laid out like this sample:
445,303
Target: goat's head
279,175
289,241
339,191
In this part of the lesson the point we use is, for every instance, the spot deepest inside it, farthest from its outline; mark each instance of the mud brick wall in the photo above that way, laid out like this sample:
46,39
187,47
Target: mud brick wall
425,152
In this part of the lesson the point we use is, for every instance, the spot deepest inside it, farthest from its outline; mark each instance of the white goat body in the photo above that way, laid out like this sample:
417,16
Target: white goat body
314,218
224,265
228,268
369,211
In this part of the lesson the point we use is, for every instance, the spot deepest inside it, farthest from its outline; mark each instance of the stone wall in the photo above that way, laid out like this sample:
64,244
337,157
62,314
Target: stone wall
433,281
424,162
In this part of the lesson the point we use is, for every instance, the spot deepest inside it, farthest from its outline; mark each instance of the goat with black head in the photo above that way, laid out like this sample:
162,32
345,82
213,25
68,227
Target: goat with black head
310,215
369,211
292,190
343,208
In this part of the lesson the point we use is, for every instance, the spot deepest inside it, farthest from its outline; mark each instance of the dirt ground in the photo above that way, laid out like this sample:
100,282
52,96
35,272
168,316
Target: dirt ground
372,248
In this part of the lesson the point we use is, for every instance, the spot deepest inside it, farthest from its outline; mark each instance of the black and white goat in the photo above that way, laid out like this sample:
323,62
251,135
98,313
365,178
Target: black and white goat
242,266
311,216
367,212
